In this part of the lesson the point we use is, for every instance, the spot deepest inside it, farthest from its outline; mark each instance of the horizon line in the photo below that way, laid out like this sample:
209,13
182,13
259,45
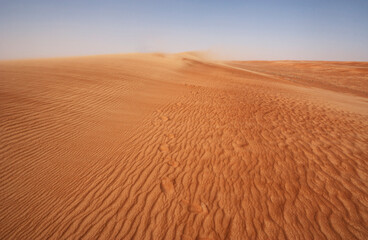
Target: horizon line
226,59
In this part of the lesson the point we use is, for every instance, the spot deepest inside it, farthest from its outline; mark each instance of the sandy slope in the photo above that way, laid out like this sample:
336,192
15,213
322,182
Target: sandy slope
156,146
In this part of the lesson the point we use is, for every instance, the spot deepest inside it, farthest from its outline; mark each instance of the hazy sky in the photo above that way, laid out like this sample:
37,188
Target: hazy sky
258,29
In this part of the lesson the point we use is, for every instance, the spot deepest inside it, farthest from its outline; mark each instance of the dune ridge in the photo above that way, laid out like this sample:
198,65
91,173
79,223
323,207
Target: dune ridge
177,146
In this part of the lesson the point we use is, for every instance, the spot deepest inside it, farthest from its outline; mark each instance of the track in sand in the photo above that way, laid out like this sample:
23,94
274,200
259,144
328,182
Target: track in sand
155,146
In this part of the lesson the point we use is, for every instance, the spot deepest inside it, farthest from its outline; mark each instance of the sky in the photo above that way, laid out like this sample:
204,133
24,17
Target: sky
239,30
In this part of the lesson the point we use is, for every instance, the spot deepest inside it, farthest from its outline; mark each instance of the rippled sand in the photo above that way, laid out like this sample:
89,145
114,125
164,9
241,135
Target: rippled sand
156,146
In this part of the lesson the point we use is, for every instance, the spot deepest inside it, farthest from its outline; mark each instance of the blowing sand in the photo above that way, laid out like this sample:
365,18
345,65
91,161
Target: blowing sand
155,146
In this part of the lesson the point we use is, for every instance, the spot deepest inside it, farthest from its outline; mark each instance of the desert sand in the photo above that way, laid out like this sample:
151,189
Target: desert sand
177,146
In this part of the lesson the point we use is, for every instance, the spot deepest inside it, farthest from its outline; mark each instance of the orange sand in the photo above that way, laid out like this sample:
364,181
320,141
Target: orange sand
155,146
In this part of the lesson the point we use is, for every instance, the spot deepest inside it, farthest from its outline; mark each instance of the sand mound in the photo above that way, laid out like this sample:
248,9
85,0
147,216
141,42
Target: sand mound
159,146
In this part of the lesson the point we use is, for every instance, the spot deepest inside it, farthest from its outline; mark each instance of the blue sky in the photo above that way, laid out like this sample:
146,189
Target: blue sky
270,30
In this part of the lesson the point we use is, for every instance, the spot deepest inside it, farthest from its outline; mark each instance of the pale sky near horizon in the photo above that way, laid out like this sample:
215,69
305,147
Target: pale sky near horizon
249,30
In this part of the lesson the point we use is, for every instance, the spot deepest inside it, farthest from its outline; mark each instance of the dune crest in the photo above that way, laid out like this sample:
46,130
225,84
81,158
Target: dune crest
160,146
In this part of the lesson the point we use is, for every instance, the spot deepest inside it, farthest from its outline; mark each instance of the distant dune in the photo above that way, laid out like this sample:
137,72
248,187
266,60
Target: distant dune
178,146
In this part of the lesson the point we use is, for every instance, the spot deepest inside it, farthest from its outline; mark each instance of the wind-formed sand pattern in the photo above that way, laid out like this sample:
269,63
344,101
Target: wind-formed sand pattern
157,146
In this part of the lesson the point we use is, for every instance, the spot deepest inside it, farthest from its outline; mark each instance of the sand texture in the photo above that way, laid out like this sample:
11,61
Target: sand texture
156,146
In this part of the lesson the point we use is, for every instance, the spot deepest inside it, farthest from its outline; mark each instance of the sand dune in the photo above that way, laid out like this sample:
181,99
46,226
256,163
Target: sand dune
157,146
